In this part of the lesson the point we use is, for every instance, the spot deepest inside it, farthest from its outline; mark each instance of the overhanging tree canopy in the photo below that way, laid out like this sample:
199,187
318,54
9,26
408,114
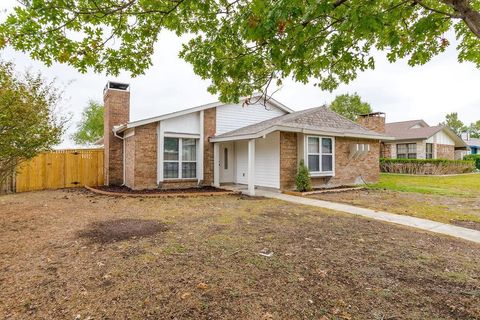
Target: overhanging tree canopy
244,45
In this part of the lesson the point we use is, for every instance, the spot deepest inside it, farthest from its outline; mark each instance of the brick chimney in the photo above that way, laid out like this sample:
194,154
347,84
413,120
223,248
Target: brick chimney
374,121
116,100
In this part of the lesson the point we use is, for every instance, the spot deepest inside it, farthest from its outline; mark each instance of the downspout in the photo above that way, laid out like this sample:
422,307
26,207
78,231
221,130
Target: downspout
123,155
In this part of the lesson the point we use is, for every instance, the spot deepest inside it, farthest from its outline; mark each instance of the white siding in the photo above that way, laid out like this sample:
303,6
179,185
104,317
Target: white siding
267,161
189,124
441,138
234,116
241,162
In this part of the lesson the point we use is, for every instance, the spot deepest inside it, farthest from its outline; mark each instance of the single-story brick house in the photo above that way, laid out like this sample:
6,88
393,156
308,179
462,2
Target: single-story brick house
259,145
415,139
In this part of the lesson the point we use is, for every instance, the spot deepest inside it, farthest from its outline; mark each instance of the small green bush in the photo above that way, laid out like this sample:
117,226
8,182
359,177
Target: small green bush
426,166
302,180
473,157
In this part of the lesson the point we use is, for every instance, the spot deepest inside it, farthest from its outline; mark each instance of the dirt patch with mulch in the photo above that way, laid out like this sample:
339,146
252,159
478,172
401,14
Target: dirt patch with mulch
446,209
127,190
222,258
120,229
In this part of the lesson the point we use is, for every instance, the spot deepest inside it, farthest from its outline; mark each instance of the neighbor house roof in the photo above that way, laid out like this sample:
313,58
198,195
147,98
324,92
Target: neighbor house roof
472,142
418,130
320,120
133,124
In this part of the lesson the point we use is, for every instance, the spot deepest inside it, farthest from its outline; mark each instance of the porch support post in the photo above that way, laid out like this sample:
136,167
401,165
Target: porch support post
251,167
216,165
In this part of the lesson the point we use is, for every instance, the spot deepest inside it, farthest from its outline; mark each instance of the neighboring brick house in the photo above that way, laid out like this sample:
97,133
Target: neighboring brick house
415,139
259,145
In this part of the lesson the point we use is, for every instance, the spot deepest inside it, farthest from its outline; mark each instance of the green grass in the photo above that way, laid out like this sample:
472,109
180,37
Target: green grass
461,185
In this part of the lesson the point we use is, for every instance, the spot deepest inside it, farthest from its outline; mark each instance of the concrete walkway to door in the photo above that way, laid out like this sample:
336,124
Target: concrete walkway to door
424,224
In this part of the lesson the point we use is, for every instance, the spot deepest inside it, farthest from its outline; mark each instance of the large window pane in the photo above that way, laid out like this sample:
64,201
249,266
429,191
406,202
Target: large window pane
326,145
412,148
170,149
189,170
313,163
313,145
170,170
327,163
189,150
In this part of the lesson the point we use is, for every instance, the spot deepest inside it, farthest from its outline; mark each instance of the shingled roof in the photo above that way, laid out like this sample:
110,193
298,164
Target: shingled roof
320,119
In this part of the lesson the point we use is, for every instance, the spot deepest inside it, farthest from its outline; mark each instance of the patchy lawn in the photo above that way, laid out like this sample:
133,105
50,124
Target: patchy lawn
450,199
71,254
466,185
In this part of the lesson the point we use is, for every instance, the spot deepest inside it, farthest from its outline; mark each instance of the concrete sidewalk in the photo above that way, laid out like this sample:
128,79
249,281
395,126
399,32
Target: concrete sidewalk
424,224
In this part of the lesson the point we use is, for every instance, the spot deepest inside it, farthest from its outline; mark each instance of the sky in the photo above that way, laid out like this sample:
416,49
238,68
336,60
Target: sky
427,92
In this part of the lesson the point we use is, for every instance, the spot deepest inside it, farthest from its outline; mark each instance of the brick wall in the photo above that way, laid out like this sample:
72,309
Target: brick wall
130,161
288,159
372,122
386,150
354,171
347,171
445,151
209,128
146,156
179,184
117,109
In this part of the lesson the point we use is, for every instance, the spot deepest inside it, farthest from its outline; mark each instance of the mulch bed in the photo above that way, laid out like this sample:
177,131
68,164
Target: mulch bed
126,191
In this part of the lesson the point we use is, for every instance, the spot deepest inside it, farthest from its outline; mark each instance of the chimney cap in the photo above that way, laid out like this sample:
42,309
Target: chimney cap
372,114
117,86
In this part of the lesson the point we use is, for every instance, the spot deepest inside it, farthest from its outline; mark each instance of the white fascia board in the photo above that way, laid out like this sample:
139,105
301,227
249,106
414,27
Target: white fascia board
293,129
458,141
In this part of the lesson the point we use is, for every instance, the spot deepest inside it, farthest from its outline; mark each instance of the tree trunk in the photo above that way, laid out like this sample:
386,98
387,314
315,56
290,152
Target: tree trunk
467,13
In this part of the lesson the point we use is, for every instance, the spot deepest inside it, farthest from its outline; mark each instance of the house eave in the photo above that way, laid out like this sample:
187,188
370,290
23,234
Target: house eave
299,130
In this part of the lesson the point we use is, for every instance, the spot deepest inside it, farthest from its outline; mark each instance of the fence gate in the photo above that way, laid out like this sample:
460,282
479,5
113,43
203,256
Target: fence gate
61,169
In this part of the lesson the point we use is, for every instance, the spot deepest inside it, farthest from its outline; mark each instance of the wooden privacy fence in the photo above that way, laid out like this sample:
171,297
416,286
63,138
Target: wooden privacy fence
61,169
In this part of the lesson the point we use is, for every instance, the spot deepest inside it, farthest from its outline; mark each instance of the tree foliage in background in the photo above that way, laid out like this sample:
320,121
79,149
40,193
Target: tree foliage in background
474,129
452,121
29,123
90,127
243,46
350,106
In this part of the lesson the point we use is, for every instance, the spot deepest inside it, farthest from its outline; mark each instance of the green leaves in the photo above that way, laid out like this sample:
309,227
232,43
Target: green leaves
350,106
242,45
29,120
90,127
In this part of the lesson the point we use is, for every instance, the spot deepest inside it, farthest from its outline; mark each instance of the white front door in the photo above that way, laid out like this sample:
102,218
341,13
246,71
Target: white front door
226,162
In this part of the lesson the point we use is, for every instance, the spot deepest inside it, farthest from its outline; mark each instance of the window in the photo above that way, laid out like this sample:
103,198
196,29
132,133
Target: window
173,160
225,158
429,151
319,154
407,150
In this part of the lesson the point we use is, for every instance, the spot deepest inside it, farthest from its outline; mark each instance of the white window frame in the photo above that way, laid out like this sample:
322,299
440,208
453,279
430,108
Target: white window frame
320,173
180,156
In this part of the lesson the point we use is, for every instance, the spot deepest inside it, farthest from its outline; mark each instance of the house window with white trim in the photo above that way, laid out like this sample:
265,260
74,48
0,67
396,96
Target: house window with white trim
320,154
429,151
407,151
176,164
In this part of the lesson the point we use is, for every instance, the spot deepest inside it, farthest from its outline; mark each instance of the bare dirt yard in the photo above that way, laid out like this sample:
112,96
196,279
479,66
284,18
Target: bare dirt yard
75,255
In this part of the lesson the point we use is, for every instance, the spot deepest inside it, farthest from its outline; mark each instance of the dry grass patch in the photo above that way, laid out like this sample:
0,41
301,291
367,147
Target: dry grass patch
222,257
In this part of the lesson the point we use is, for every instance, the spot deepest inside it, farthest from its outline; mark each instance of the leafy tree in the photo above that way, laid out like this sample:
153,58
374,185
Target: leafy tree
350,106
474,129
90,127
243,45
303,182
29,122
452,121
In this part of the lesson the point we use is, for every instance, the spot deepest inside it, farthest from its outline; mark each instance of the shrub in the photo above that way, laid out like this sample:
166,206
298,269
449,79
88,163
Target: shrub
475,158
426,166
302,180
